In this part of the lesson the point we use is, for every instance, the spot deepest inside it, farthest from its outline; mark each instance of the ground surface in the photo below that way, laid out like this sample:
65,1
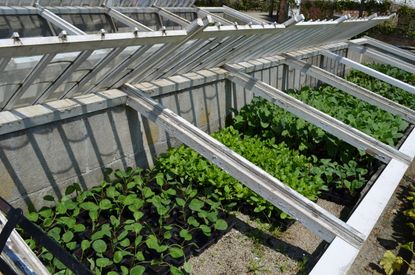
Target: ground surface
388,233
253,247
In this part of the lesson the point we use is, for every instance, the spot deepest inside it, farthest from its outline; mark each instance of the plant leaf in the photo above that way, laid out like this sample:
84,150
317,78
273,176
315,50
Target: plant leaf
85,244
67,236
103,262
391,263
105,204
99,246
221,225
175,271
188,267
185,235
176,252
137,270
196,204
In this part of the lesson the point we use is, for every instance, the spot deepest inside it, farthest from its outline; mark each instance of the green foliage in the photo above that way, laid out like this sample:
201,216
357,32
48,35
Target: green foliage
137,222
323,9
277,159
385,89
391,263
342,165
371,120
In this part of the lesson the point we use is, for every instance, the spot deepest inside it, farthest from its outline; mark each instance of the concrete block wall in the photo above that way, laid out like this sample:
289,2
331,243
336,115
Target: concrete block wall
45,159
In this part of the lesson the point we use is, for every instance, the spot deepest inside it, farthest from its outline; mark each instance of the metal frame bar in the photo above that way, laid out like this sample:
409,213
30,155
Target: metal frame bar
101,65
58,21
3,63
383,58
65,75
123,3
241,16
172,17
113,75
202,12
335,127
127,20
357,66
390,49
75,43
323,223
41,65
352,89
146,67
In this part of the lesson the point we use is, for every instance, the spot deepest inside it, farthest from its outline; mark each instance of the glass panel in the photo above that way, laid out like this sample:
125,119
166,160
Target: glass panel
233,19
89,23
69,3
190,16
25,25
170,25
149,19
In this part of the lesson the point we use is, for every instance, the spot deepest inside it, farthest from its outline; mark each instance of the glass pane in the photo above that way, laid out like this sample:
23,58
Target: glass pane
149,19
89,23
190,16
170,25
25,25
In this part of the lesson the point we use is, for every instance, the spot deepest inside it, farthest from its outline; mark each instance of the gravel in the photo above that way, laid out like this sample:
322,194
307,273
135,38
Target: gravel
254,247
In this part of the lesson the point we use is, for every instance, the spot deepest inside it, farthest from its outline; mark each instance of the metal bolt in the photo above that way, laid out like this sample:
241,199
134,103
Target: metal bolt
16,36
135,31
63,35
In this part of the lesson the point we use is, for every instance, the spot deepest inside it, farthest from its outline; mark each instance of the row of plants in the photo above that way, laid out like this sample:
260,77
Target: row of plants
151,221
300,172
138,222
384,89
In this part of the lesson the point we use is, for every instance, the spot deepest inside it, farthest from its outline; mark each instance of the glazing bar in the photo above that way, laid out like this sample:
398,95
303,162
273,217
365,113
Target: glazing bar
127,20
41,65
64,76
